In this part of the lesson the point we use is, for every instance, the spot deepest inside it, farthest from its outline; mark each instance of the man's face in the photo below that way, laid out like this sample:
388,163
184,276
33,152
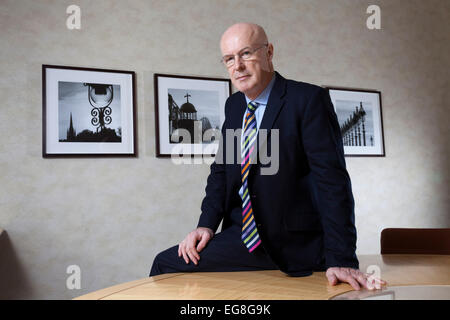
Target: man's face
248,76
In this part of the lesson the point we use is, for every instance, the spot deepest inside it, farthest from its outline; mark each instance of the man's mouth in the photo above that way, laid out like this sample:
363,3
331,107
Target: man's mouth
242,77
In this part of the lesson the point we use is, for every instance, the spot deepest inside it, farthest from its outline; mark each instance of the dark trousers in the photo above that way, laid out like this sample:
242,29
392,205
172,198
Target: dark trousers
224,252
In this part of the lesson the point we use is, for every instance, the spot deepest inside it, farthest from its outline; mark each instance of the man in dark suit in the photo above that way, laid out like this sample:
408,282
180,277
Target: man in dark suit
299,218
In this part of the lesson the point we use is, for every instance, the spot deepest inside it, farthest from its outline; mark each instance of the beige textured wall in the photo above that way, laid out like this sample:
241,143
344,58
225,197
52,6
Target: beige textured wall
111,216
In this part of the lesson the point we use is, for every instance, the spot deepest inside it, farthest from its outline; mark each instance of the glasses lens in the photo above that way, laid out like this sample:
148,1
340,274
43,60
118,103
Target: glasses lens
229,61
247,54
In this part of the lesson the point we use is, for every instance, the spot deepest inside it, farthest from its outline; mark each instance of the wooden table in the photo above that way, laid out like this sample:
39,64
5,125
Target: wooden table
397,270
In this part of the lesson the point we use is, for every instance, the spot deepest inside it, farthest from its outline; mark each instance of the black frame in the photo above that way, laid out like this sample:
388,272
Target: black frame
383,154
155,81
77,155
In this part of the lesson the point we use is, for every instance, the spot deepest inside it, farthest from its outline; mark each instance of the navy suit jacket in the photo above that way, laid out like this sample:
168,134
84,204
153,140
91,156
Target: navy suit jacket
305,211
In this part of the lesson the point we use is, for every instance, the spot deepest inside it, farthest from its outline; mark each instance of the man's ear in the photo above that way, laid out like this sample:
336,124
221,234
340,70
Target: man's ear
270,51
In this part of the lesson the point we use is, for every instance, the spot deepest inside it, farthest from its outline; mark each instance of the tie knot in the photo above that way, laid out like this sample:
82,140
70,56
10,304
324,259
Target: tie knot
252,106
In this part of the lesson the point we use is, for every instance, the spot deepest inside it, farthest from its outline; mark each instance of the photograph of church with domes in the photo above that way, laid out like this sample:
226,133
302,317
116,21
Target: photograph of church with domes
191,114
89,112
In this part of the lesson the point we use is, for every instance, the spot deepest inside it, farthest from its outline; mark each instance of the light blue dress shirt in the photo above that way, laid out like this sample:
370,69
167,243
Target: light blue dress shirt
262,99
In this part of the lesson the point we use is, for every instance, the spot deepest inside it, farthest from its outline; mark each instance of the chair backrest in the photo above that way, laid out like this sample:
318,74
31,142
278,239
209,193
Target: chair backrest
415,241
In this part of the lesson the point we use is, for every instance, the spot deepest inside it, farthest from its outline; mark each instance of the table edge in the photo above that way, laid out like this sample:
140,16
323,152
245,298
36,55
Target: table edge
110,291
103,293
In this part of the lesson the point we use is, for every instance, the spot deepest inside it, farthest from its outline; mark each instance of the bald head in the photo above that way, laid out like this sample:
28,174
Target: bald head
253,73
250,32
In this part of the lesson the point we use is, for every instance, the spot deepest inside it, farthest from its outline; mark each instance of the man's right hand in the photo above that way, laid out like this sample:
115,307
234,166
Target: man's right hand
189,249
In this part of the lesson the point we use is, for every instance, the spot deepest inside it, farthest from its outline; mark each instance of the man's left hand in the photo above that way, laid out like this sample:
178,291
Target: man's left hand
354,277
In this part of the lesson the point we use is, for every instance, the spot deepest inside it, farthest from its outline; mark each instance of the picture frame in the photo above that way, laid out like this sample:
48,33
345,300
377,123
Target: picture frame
88,112
360,119
189,113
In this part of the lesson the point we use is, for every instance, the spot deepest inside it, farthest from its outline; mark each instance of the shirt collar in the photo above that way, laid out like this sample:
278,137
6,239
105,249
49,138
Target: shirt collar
263,97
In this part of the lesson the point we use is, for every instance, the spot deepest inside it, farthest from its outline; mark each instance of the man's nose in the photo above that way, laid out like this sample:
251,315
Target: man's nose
238,63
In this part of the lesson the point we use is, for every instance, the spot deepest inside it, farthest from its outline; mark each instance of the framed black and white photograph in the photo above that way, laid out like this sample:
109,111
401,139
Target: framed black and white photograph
189,113
88,112
360,119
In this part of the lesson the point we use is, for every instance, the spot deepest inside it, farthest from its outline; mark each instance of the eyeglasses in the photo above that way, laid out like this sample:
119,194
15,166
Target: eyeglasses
245,54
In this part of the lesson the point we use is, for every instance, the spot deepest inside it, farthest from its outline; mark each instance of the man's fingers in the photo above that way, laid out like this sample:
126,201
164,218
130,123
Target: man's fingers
354,277
369,281
369,284
189,249
344,275
185,257
375,283
332,279
352,281
194,252
359,276
201,245
192,255
378,280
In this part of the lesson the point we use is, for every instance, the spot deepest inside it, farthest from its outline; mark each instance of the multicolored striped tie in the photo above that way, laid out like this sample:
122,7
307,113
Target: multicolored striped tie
250,234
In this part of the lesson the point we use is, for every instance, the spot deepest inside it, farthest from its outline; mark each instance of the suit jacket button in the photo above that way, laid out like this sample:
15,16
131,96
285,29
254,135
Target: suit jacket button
258,225
253,196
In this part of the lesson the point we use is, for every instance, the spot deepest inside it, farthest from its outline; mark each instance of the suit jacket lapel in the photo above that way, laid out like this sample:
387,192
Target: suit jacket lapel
236,123
238,115
274,106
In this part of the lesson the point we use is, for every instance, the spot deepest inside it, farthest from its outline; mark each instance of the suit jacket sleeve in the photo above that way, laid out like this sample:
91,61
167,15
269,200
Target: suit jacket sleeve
332,186
213,204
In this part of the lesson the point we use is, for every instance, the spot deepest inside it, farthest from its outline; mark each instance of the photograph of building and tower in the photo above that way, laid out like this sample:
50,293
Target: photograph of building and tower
195,111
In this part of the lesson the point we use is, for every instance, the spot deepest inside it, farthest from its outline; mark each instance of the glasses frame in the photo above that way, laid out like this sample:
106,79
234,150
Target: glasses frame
240,55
